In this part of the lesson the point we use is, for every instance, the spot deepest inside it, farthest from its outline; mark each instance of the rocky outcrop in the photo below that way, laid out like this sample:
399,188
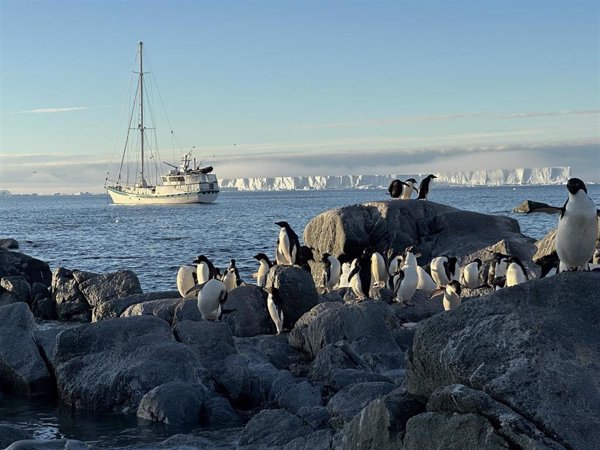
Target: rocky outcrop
249,316
530,206
273,428
108,286
163,308
22,369
349,401
8,244
533,348
433,228
117,306
16,264
10,434
111,365
70,302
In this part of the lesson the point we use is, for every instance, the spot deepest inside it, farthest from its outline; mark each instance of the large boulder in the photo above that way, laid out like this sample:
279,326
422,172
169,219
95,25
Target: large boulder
107,286
534,348
10,434
366,327
18,286
297,292
213,340
115,307
249,316
433,228
16,264
273,428
111,365
22,369
163,308
70,302
348,402
186,309
8,244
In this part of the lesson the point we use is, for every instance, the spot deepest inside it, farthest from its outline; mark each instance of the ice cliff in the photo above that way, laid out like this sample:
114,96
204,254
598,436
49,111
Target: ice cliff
495,177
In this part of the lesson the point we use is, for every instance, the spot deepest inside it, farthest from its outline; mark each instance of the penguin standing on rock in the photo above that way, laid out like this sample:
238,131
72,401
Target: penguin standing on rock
263,269
577,228
451,295
515,272
333,271
410,187
470,274
186,280
212,296
288,244
231,278
424,187
379,272
443,270
360,276
274,305
205,269
396,188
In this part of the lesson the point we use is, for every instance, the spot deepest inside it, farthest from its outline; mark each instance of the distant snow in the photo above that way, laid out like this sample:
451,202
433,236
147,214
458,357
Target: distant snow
496,177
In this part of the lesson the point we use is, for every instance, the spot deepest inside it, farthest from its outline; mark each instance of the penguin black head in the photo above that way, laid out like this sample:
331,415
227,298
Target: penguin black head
478,261
262,257
325,257
432,176
232,263
367,252
283,224
574,185
455,286
200,258
412,180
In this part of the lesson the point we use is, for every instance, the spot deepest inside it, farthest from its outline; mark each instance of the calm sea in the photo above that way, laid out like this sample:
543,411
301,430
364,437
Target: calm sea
89,233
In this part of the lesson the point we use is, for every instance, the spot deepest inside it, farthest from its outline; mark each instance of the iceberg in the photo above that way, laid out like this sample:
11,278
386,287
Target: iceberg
492,177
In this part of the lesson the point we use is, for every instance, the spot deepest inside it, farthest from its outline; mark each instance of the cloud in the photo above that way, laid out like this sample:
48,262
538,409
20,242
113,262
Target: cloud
53,110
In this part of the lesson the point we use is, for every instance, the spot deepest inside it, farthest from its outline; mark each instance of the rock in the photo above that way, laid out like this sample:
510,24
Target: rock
381,424
22,369
11,433
296,290
110,365
186,309
45,340
43,308
522,247
55,444
534,348
294,393
213,340
116,307
163,308
365,326
15,264
276,349
250,316
340,378
173,403
545,246
17,286
108,286
189,442
316,416
338,355
217,412
318,440
349,401
423,307
273,427
8,244
70,303
530,206
435,229
6,298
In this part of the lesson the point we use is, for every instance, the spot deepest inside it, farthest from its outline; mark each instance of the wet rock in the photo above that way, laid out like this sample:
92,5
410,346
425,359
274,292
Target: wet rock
17,286
213,340
116,307
8,244
534,347
250,316
15,264
110,365
296,290
108,286
318,440
273,427
186,309
349,401
70,303
22,369
335,356
530,206
10,434
55,444
365,326
435,229
163,308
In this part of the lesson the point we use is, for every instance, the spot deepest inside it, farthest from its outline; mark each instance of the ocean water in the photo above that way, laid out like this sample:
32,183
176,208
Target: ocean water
89,233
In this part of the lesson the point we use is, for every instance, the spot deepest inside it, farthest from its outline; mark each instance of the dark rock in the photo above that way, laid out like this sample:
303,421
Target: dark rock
422,308
6,298
318,440
22,369
250,316
340,378
213,340
530,206
8,244
17,286
55,444
534,347
173,403
435,229
186,309
316,416
163,308
116,307
364,326
110,365
43,308
293,393
109,286
217,412
81,275
276,349
273,427
522,247
349,401
10,434
405,334
70,303
296,290
338,355
15,264
189,442
381,424
45,340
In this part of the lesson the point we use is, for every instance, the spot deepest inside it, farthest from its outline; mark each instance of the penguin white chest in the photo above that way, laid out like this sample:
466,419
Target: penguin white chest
275,313
209,299
334,273
263,271
203,273
514,275
409,283
438,271
576,232
185,281
471,276
378,270
451,300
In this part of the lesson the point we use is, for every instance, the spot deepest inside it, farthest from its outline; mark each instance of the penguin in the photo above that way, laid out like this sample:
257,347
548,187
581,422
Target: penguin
406,284
549,265
577,228
470,274
424,187
231,277
332,271
394,262
396,188
425,283
288,244
596,257
263,269
379,271
206,270
410,187
304,256
497,271
443,270
345,275
452,296
274,305
354,279
185,281
515,272
211,297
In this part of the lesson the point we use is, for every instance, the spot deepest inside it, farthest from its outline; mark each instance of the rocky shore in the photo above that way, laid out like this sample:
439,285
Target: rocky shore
517,368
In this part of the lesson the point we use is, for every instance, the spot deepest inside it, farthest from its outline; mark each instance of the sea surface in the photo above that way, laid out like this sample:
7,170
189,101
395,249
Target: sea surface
89,233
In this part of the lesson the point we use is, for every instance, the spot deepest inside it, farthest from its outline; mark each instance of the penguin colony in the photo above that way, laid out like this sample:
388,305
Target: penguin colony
575,250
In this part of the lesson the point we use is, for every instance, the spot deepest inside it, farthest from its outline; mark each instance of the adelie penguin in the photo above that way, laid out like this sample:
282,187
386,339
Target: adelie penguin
443,270
470,274
424,187
515,272
396,188
288,245
231,278
451,295
410,187
577,228
212,296
263,269
274,305
333,271
186,279
360,276
205,269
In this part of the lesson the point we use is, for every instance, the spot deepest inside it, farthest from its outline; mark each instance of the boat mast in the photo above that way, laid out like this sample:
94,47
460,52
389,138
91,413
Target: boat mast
141,125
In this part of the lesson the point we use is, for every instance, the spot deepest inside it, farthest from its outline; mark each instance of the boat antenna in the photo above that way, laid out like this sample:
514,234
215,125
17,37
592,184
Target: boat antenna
141,125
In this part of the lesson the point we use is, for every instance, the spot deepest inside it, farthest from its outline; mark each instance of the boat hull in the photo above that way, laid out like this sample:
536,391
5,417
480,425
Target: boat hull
128,198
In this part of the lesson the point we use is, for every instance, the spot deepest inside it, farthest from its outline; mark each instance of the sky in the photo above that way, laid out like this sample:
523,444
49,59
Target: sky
282,88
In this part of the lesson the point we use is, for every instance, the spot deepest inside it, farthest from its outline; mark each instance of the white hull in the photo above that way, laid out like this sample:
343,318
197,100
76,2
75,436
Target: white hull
129,198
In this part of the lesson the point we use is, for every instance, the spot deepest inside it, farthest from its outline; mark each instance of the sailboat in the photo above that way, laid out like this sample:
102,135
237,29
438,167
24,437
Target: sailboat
186,183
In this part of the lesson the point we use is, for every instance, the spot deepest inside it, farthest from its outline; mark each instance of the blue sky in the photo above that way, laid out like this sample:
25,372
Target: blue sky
265,88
